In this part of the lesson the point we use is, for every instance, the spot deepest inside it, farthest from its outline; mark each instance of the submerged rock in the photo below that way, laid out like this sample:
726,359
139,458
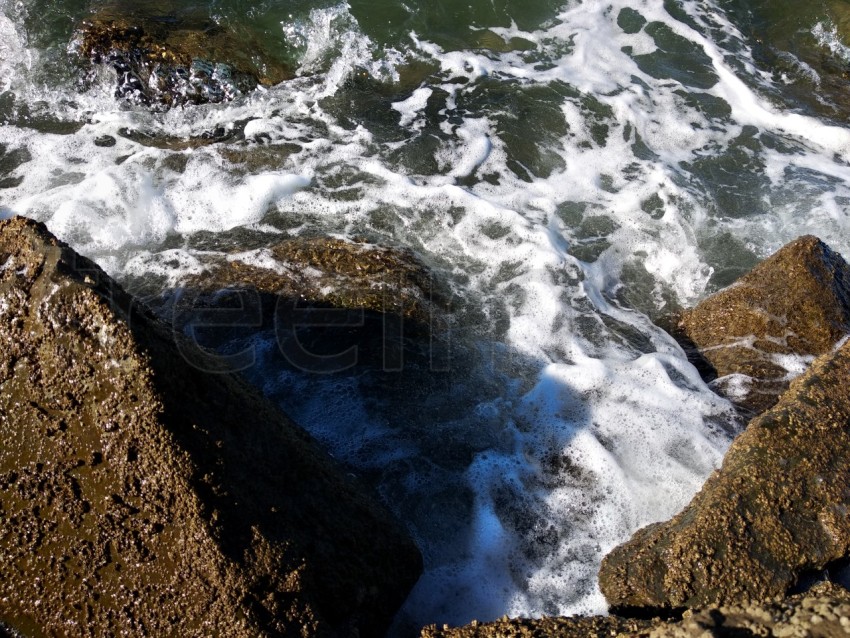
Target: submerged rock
331,272
332,304
776,509
143,496
822,612
794,305
165,60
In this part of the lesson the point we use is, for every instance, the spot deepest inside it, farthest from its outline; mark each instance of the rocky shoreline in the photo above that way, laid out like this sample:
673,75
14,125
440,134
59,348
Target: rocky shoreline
755,551
141,494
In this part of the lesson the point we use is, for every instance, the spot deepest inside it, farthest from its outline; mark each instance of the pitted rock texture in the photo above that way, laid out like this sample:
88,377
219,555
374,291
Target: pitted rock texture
777,508
142,496
560,627
823,612
795,303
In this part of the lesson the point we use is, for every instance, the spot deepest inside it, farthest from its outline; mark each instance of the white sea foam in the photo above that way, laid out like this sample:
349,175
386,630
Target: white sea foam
412,107
578,420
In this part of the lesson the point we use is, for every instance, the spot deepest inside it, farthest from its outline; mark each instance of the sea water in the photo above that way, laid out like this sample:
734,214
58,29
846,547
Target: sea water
574,172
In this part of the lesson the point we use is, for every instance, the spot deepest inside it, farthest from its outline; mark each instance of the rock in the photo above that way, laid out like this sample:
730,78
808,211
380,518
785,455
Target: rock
331,272
166,60
332,304
142,496
794,304
572,627
822,612
776,509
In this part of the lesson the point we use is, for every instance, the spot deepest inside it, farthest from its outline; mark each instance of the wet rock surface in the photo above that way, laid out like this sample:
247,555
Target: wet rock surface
793,306
143,496
330,305
332,272
823,612
165,59
776,509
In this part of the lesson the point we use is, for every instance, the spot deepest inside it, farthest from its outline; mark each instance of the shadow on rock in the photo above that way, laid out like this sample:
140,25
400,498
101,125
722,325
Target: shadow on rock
143,495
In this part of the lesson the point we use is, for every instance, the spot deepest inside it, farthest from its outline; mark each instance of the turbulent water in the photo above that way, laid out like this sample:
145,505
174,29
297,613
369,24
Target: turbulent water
574,173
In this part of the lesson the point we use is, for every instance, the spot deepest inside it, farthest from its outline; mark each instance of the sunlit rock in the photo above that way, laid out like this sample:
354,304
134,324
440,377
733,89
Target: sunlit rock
141,495
824,611
766,327
775,510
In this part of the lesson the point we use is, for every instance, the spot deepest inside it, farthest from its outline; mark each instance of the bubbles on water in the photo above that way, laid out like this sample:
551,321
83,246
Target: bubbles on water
569,183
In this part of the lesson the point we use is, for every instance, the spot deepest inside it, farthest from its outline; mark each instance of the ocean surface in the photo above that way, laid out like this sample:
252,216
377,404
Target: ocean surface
573,172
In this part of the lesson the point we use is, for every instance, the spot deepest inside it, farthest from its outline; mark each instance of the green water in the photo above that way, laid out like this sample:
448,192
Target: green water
773,28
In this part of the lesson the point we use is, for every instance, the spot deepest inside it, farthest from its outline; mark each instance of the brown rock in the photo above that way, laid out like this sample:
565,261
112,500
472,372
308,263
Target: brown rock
824,612
165,59
776,508
332,272
331,304
142,496
572,627
796,302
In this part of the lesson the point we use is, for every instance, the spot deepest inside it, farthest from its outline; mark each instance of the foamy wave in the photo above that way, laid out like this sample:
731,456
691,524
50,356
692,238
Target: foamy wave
568,191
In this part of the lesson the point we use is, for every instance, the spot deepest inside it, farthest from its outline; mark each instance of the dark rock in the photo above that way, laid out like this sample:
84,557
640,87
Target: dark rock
796,302
105,141
823,612
180,143
775,510
142,496
166,60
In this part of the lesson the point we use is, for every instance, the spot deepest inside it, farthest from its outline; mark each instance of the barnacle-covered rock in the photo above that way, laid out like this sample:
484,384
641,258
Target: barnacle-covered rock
777,508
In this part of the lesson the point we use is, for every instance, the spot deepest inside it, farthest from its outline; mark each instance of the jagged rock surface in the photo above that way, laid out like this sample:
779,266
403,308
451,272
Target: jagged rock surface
776,508
142,496
823,612
572,627
795,303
